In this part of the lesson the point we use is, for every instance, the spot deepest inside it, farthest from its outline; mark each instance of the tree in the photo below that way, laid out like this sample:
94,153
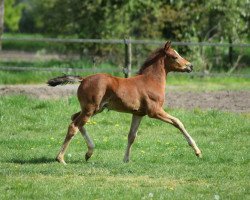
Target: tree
1,21
199,21
102,19
180,20
12,15
33,18
230,18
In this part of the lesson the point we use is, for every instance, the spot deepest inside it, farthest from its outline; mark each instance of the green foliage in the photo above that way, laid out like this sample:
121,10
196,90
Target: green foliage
162,165
101,19
179,20
12,14
197,21
229,19
33,17
32,46
213,21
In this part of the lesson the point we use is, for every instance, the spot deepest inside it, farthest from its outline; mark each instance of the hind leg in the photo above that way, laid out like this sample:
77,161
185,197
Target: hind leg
89,143
85,135
77,124
74,116
72,131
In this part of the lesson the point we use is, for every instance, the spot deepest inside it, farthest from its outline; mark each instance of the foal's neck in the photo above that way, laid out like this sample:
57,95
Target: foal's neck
156,71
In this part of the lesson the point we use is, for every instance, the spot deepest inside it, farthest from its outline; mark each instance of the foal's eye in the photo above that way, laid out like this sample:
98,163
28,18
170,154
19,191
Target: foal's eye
174,57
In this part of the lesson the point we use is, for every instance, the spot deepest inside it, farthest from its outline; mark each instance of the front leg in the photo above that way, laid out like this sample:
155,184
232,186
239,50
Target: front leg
136,120
163,116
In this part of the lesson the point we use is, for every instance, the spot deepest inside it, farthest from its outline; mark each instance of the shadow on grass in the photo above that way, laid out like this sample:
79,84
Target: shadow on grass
44,160
41,160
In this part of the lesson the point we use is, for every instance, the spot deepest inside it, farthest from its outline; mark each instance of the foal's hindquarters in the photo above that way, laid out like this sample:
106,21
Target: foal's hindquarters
89,107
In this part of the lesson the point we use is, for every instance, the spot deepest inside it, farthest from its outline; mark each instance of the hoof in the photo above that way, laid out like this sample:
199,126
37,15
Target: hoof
199,155
60,160
125,160
87,156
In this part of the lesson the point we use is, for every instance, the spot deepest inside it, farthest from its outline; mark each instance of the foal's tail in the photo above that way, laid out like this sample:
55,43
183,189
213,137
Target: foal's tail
63,80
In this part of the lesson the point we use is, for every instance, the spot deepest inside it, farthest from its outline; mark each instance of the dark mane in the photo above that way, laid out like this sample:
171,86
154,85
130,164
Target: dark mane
155,55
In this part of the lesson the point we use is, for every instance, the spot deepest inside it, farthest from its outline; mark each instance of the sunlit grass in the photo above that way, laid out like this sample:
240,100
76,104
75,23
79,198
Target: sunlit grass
195,83
162,165
181,81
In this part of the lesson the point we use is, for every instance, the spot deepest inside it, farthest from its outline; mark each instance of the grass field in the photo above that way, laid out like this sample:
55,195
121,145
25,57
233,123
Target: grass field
184,81
162,166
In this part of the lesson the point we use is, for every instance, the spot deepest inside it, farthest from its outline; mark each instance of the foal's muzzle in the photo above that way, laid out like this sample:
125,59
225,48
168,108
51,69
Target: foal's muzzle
189,67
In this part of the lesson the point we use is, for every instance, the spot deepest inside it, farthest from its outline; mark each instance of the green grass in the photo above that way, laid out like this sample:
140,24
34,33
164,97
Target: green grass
162,165
181,81
188,82
24,77
184,81
38,77
53,64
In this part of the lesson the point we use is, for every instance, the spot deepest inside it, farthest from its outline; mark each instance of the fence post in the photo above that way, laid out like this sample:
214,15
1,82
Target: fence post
1,21
128,58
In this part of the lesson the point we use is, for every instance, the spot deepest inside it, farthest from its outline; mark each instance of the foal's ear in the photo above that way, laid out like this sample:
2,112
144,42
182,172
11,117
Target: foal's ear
167,45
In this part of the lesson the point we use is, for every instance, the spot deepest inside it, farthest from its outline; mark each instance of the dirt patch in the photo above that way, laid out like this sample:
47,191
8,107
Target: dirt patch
235,101
39,91
31,56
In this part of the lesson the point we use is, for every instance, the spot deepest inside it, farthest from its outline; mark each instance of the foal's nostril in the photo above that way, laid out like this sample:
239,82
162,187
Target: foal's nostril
189,67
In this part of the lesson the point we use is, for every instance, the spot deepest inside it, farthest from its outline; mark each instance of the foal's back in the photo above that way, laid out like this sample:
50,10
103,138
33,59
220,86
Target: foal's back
132,95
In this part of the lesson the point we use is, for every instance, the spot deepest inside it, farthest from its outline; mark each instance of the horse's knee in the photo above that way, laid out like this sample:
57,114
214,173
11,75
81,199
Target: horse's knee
131,138
153,114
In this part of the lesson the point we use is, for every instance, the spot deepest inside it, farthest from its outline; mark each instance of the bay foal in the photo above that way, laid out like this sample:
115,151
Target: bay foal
143,94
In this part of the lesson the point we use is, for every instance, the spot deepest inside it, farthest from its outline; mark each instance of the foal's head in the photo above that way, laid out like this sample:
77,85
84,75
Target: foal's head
174,62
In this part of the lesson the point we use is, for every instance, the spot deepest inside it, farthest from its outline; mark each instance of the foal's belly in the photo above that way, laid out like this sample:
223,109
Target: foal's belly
120,105
126,105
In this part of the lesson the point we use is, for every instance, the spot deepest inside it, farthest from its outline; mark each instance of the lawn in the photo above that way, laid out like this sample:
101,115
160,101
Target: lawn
162,165
195,82
183,81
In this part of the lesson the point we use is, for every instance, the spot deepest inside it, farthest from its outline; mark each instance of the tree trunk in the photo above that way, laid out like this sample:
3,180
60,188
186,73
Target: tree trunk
1,21
230,52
